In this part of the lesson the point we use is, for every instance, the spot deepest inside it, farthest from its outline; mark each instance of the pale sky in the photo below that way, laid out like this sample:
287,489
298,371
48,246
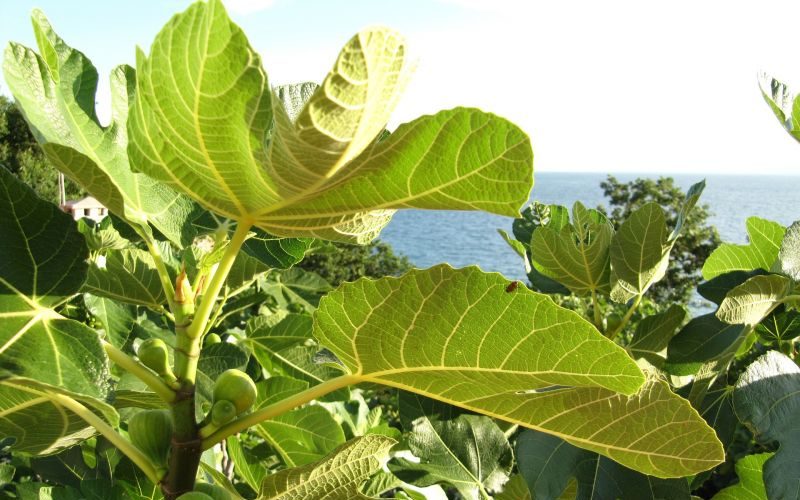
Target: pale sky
611,86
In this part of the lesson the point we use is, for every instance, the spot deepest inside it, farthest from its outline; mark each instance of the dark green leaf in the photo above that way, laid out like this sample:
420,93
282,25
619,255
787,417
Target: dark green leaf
469,453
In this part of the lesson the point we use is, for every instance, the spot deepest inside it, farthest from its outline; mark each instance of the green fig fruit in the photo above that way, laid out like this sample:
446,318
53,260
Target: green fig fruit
237,387
151,432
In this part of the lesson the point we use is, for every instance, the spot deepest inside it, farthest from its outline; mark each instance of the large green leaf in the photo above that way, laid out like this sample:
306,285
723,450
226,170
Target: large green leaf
639,252
767,399
117,320
215,131
752,301
339,475
56,93
460,337
470,453
548,463
640,248
751,480
303,435
575,255
128,276
783,102
760,253
789,254
42,264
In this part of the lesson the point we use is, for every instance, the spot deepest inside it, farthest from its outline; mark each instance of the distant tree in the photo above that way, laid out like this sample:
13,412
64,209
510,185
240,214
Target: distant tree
20,153
340,262
696,242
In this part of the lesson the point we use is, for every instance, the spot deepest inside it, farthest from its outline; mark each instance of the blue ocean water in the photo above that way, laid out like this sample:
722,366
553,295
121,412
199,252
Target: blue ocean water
465,238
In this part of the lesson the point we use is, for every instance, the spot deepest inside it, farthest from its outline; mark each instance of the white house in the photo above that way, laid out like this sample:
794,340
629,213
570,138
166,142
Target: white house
86,207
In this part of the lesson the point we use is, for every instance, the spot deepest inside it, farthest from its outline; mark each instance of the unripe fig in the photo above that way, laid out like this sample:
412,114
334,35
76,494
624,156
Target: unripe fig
154,354
211,339
223,412
195,495
212,490
151,432
237,387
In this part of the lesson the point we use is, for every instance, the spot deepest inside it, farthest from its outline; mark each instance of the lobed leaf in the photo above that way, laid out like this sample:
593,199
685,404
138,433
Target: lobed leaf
751,479
760,253
56,93
470,453
232,146
576,255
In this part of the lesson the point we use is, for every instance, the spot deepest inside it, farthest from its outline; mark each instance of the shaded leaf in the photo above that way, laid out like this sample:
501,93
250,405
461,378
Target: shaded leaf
128,276
303,435
547,463
767,399
469,453
216,358
718,287
653,333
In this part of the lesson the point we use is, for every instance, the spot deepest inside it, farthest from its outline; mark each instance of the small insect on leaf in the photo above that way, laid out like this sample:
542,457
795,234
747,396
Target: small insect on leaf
512,286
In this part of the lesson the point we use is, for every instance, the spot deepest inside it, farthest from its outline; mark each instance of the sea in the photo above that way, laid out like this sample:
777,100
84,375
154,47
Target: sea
471,238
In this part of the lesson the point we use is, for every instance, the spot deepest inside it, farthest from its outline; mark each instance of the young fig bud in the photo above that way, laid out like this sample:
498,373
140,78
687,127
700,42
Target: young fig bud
237,387
183,289
151,432
222,412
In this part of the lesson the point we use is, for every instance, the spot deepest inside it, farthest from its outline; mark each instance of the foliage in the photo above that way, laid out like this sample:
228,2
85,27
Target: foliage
20,154
698,238
192,301
341,262
583,261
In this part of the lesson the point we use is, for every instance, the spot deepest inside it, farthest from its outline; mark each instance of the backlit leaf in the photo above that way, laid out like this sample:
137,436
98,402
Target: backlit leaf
760,253
458,336
232,146
56,93
752,301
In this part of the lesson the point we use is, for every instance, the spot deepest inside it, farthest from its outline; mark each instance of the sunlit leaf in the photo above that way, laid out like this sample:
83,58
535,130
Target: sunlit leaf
458,336
752,301
234,148
56,93
751,480
760,253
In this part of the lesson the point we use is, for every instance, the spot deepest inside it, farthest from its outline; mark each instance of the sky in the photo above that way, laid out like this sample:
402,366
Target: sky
611,86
